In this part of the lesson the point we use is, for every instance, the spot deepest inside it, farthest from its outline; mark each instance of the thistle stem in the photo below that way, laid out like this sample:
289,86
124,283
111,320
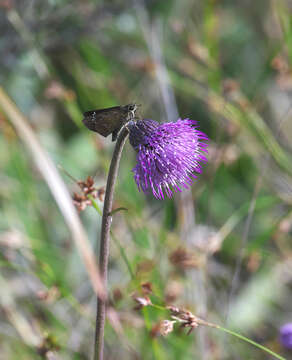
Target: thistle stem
105,241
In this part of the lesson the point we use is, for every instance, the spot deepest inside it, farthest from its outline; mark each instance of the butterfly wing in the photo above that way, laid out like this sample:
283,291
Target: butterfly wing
104,121
110,120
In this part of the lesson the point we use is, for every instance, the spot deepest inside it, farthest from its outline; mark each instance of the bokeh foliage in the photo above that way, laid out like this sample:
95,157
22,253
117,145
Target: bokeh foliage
224,63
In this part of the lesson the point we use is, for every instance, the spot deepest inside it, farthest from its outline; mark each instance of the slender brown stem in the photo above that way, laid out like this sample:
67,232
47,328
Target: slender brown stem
105,241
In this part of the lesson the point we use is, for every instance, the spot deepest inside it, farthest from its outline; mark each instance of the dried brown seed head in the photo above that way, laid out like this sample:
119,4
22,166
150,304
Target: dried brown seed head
164,327
184,258
146,288
142,302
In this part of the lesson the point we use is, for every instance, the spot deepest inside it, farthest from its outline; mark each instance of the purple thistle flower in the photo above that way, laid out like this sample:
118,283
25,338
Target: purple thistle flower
286,336
169,155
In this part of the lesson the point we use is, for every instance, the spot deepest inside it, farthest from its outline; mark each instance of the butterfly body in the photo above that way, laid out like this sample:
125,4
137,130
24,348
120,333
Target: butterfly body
110,120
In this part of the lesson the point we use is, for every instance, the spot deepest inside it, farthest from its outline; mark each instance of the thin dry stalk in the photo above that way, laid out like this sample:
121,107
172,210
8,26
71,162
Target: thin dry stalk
16,318
57,187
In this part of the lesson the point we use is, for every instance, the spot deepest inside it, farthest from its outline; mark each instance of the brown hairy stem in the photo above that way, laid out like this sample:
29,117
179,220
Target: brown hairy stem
105,241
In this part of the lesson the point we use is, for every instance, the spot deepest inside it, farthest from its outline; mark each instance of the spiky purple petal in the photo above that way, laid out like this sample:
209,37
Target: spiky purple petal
169,155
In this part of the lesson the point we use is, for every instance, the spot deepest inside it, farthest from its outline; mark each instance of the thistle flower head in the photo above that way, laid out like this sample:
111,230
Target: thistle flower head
286,336
168,155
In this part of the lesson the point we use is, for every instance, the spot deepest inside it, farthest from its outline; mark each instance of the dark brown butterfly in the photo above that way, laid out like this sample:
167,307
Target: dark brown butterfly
110,120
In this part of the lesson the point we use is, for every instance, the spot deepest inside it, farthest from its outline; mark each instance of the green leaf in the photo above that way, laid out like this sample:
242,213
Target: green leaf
141,239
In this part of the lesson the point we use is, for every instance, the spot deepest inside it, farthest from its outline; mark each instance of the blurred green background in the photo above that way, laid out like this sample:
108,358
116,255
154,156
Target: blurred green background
222,250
